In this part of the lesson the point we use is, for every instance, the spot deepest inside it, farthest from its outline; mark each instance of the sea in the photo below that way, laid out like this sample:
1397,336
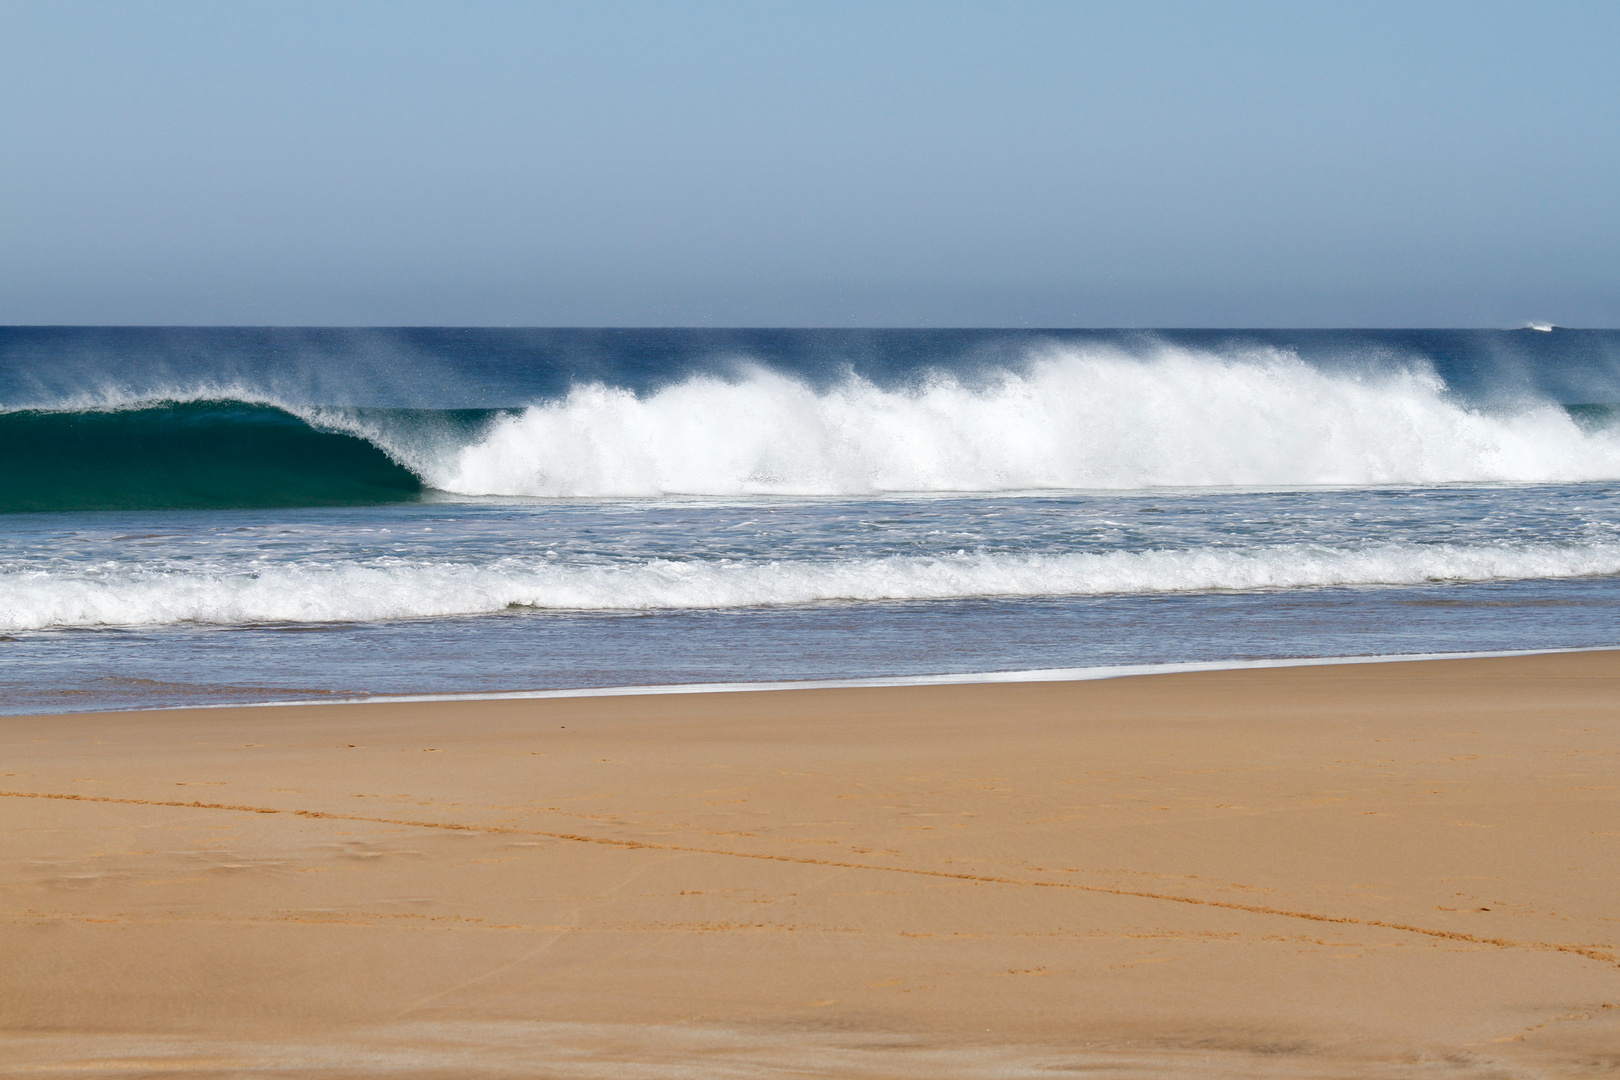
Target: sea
199,516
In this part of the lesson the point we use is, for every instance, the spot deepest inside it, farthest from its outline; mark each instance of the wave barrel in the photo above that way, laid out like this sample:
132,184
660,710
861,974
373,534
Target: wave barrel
188,455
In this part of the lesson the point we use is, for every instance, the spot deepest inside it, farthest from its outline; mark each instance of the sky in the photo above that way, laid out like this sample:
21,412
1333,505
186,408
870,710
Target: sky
810,164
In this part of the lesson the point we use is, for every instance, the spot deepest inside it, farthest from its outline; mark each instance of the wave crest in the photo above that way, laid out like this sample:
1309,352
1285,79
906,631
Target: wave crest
1069,421
363,592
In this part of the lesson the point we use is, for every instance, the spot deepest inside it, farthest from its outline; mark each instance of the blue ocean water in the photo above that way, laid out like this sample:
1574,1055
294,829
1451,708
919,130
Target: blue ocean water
216,515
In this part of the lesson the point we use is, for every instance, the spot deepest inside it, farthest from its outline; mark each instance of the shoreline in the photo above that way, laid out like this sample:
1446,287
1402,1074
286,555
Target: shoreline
972,678
968,678
1317,869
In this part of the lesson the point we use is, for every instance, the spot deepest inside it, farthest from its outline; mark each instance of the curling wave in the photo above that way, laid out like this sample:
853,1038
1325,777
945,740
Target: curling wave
398,589
192,454
1068,419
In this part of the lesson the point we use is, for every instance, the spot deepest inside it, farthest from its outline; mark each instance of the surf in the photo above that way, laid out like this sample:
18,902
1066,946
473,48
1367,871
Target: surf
393,588
1066,420
1063,418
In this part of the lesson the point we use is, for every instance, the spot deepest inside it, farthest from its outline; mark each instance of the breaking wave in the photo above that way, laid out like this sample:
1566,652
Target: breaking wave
396,589
1070,421
1065,420
188,455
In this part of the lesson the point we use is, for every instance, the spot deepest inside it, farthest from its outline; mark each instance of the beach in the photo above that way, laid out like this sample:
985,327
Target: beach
1349,870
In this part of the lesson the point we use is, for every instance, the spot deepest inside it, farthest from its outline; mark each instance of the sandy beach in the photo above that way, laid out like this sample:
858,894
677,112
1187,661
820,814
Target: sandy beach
1388,870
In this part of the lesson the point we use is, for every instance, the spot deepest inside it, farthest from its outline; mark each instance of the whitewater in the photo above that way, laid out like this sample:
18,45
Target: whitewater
1068,421
396,589
240,514
1061,420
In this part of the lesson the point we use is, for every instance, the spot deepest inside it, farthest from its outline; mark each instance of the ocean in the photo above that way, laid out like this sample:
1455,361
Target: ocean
215,515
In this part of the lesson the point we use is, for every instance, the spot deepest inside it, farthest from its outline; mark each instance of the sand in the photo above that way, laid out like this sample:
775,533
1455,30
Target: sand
1391,870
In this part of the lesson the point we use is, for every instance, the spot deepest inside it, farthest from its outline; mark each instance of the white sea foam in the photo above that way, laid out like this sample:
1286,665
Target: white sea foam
393,589
1071,419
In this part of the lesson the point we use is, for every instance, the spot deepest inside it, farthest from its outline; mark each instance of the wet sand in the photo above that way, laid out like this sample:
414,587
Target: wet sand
1390,870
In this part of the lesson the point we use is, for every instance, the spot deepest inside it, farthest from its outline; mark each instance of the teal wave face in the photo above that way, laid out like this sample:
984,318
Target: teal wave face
188,455
1599,416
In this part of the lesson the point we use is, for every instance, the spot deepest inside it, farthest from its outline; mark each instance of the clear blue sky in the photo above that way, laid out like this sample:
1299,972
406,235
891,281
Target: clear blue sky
866,164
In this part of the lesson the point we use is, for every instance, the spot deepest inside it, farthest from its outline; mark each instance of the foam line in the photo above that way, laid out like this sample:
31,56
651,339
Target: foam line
1085,674
392,588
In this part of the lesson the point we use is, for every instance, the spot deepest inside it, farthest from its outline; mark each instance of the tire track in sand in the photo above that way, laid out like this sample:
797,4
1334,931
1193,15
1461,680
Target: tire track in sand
1586,952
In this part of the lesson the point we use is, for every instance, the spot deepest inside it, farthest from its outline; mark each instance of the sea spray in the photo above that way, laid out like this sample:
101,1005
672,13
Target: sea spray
1065,419
1070,420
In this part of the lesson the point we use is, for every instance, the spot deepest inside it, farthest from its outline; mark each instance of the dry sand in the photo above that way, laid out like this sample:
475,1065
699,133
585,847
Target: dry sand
1393,870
